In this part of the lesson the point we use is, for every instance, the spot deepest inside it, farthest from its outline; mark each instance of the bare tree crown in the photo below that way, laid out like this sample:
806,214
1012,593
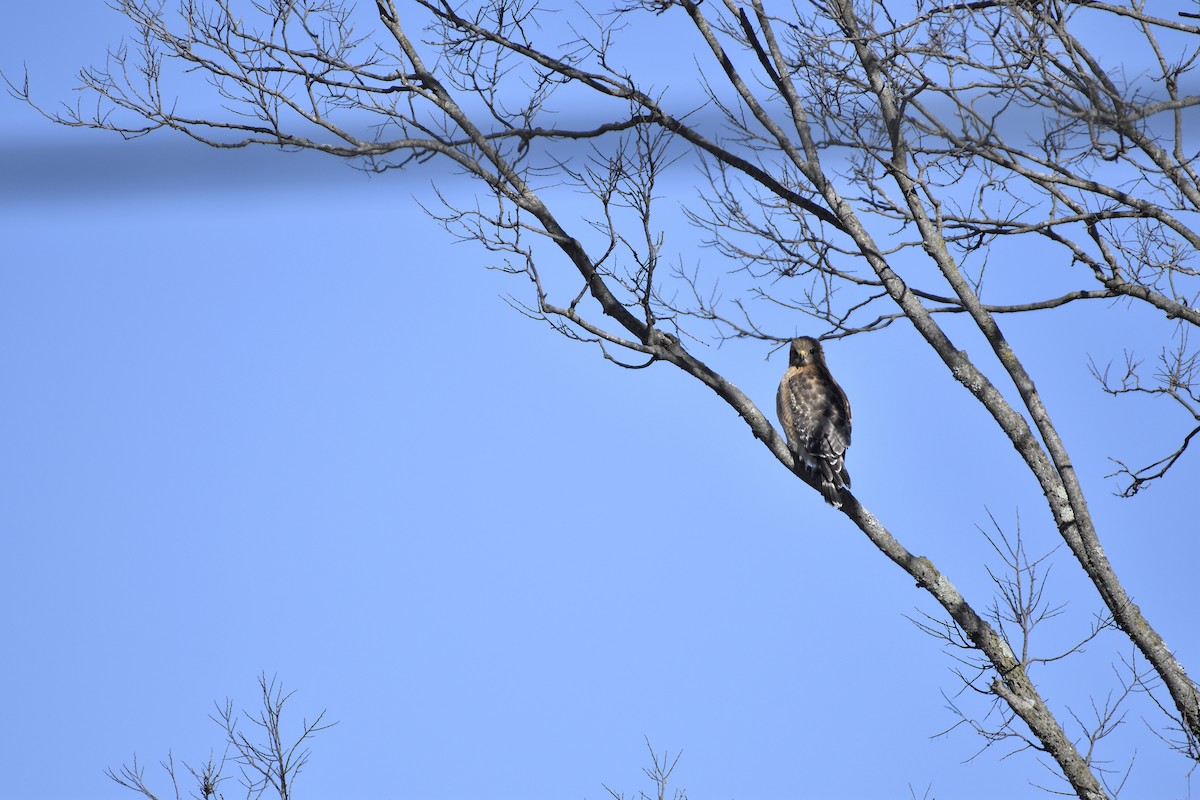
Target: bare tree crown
863,162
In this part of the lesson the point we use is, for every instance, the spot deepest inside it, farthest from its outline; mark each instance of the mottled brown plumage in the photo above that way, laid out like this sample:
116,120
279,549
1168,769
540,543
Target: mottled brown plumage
815,416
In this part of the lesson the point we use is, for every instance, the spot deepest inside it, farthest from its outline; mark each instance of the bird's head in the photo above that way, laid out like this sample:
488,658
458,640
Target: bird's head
805,351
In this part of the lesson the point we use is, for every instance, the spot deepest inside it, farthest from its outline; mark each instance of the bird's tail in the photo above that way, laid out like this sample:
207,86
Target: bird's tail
834,476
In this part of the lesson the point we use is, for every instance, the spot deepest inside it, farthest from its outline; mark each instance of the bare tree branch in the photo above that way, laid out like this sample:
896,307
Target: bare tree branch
269,760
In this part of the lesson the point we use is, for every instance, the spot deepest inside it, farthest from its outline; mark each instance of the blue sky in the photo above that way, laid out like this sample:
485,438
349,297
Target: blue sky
260,414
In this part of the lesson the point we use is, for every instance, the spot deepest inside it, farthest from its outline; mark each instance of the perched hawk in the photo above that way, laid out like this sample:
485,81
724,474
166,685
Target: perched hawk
815,416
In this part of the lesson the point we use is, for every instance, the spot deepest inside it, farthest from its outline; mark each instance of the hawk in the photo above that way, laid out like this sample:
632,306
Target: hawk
815,416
